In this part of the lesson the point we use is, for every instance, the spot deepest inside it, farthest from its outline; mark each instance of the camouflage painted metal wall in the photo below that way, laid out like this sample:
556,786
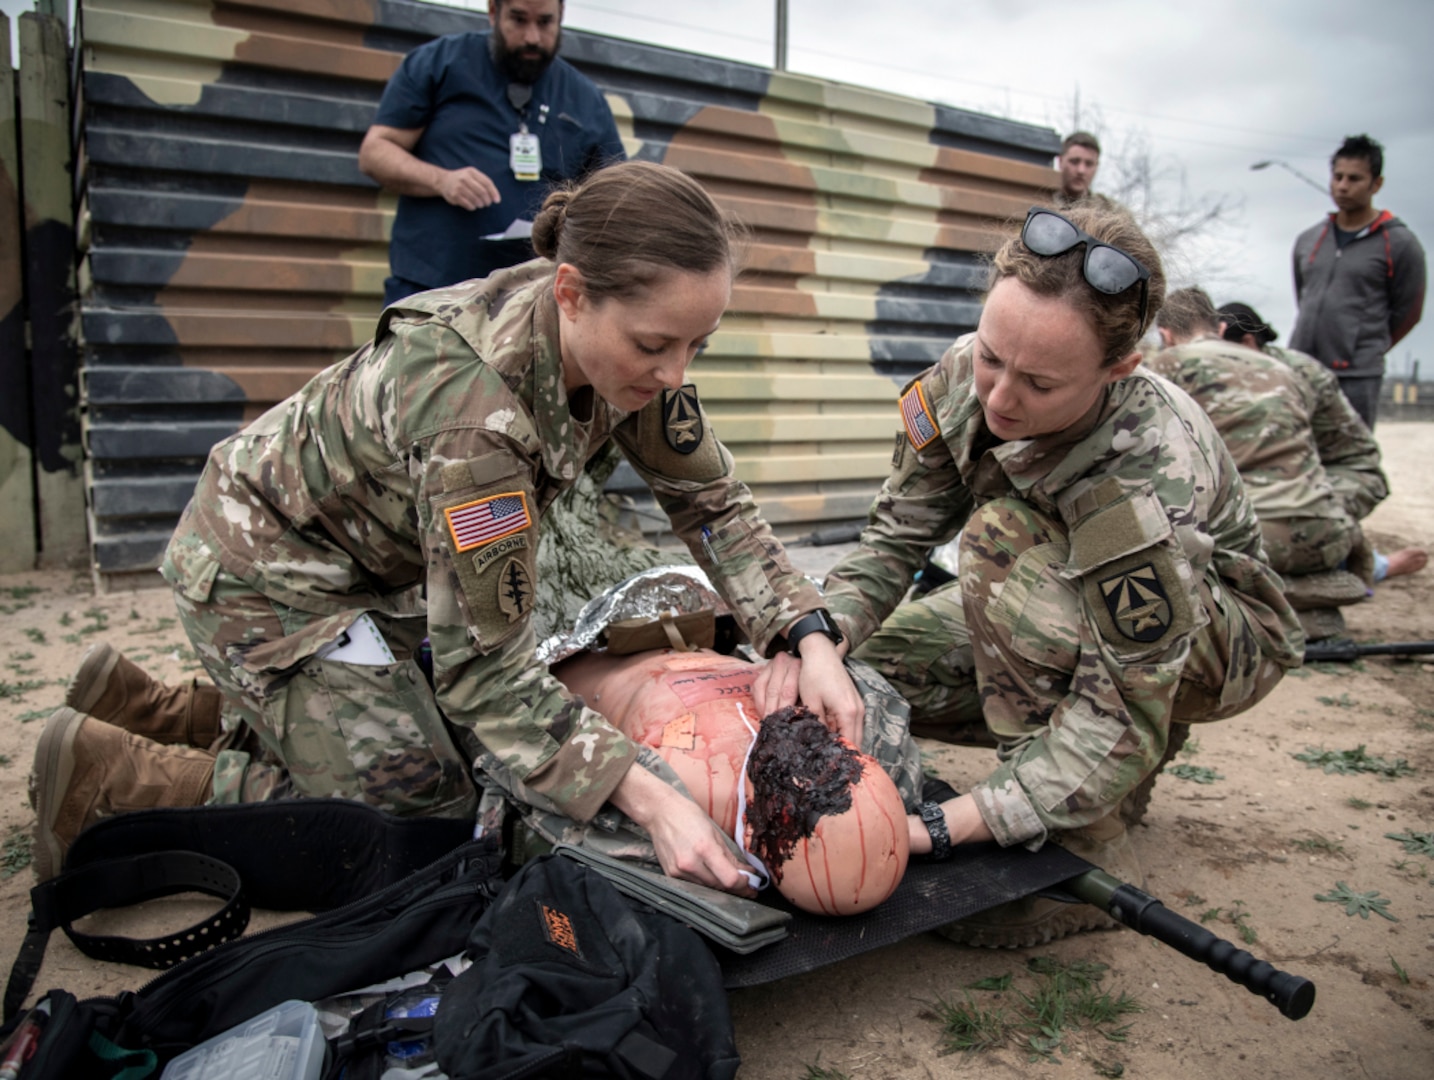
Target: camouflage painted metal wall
17,483
42,507
233,247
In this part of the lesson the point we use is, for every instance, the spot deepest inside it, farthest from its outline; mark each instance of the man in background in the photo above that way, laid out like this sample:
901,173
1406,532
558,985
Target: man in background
1079,159
472,132
1359,278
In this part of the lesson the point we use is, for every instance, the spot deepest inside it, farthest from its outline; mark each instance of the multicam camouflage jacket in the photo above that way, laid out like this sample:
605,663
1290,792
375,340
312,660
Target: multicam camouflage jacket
1347,449
413,476
1154,443
1260,409
1142,479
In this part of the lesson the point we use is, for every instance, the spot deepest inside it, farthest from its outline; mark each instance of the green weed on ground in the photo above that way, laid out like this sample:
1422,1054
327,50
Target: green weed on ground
16,853
1415,843
21,688
15,598
1344,701
816,1072
1357,903
1199,774
1353,761
1321,844
1064,1007
161,625
1237,916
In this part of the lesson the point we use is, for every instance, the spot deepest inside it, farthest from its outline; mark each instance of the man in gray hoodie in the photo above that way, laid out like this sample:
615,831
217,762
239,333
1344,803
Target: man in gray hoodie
1359,278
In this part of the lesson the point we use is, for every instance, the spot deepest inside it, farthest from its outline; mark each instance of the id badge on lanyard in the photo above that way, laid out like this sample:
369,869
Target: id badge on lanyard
525,155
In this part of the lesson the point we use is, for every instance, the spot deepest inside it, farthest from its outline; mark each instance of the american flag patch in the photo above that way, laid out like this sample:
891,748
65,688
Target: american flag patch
920,427
476,523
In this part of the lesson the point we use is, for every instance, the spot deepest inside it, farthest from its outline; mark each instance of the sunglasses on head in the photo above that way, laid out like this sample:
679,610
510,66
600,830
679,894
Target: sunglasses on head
1107,269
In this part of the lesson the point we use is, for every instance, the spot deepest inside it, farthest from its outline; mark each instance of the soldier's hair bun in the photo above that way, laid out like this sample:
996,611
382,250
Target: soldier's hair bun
548,225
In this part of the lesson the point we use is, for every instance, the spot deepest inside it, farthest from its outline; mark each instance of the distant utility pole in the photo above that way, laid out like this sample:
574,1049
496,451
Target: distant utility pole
781,60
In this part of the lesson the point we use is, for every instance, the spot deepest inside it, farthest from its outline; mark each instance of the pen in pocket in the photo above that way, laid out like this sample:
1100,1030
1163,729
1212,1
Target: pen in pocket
707,544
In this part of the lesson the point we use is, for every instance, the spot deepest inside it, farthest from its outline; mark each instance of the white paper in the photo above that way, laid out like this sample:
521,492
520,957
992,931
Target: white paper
519,230
365,645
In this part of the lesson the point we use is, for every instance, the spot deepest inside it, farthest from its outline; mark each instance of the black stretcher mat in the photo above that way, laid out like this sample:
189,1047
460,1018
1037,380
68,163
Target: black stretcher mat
976,877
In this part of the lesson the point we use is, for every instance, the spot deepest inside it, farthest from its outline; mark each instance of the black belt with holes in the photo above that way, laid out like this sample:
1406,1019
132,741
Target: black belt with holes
117,883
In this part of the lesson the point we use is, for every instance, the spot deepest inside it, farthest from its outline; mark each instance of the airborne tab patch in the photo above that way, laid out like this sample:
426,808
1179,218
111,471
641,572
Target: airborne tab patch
682,419
1137,603
473,524
921,426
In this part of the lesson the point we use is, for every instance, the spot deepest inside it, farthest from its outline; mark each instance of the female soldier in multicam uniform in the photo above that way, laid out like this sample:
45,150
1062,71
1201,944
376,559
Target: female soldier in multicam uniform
398,496
1110,576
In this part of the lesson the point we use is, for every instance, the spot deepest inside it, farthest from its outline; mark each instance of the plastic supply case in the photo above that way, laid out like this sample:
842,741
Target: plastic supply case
285,1043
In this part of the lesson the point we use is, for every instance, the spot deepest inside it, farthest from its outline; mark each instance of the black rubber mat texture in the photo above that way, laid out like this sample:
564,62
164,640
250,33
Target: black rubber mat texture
977,877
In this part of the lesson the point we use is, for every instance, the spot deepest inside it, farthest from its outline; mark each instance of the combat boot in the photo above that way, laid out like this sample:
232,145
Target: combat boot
1035,920
111,688
86,769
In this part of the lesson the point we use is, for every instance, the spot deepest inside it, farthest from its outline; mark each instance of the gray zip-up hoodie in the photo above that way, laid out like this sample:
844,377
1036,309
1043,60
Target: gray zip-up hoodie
1357,301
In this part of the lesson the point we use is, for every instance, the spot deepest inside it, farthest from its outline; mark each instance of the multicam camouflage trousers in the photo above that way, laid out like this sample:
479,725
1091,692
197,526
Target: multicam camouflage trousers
1308,545
308,727
885,737
977,658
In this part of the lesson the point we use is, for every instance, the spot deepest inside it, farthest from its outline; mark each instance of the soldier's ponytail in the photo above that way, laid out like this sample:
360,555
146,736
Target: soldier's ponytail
630,224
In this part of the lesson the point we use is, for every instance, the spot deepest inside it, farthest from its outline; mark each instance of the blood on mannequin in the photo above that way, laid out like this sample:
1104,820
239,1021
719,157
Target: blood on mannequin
825,819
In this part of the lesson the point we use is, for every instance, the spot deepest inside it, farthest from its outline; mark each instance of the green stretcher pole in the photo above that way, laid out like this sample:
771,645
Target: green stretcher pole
1293,995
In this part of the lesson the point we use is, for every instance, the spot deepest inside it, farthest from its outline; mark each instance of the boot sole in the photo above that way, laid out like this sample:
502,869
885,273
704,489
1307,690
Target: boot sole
89,682
54,767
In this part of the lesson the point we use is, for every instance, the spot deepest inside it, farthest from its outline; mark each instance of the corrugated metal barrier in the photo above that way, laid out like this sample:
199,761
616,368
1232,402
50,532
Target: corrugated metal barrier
231,247
42,507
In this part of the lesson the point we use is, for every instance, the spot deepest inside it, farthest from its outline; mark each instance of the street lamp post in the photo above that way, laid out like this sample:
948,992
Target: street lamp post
1290,168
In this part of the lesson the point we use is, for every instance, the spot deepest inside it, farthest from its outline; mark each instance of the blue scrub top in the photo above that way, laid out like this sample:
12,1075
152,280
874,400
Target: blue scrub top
451,88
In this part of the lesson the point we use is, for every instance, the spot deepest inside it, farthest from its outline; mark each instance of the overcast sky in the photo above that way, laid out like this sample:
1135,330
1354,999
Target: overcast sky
1214,85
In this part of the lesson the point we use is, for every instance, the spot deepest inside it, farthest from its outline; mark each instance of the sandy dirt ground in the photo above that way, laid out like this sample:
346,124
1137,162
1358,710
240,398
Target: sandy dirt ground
1248,851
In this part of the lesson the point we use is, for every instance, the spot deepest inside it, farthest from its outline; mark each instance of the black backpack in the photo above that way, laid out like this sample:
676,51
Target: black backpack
379,918
570,979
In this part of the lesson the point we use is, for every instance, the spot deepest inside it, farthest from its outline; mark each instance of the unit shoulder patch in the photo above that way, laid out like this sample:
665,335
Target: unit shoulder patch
515,589
1139,602
682,419
670,437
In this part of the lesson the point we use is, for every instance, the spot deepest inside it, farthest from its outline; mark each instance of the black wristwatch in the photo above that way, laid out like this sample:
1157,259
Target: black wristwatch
935,820
813,622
